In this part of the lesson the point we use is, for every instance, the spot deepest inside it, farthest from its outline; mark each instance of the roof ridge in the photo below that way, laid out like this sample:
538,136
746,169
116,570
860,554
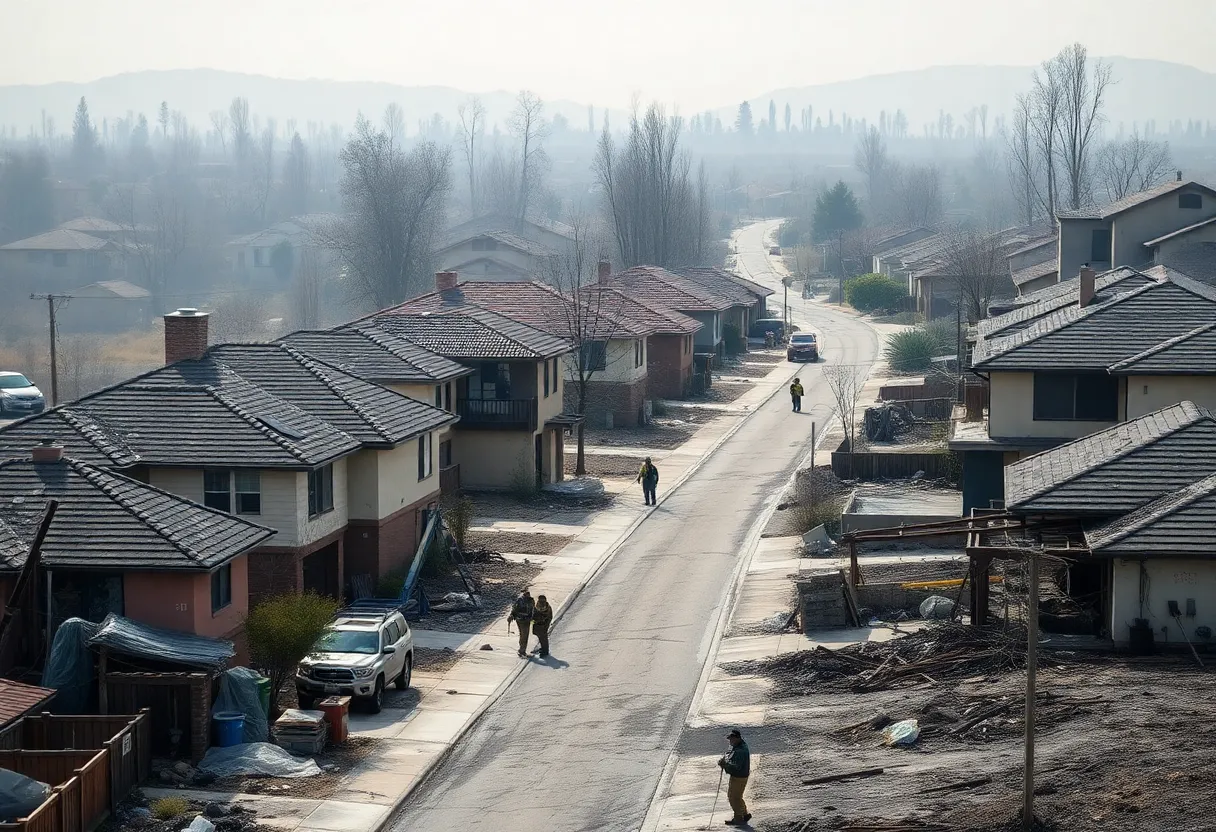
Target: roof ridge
314,367
239,410
1197,491
1199,414
1164,345
92,434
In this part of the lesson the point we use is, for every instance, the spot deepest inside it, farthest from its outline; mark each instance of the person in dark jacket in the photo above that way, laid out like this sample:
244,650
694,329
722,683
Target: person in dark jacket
542,618
796,393
521,613
737,763
648,476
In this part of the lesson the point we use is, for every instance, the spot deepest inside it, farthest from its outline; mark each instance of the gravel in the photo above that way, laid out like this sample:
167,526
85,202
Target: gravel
523,543
603,465
500,582
667,432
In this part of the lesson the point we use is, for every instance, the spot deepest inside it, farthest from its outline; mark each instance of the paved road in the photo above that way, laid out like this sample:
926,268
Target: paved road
582,747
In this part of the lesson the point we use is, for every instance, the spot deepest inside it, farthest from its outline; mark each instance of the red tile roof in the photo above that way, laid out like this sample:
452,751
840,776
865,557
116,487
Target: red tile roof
17,699
665,321
655,285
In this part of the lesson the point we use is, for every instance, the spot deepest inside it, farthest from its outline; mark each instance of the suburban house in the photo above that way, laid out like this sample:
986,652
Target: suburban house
105,229
512,419
749,300
374,355
656,286
497,255
117,545
552,235
883,243
1124,232
106,306
611,354
60,259
1137,503
274,253
1033,266
1059,369
904,260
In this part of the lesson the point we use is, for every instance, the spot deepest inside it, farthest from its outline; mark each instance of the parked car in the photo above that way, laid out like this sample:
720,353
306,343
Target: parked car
804,346
763,326
775,251
358,655
19,396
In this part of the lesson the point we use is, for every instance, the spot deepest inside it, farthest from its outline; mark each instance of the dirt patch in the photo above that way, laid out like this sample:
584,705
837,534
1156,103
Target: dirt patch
546,507
1121,745
750,367
763,356
815,497
696,415
723,392
523,543
669,432
603,465
335,762
435,660
499,581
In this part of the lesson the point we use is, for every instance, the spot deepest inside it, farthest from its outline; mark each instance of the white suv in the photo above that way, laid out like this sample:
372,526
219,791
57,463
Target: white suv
359,654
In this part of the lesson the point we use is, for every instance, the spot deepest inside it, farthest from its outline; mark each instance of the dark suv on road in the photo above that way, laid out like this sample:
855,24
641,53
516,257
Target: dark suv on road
804,346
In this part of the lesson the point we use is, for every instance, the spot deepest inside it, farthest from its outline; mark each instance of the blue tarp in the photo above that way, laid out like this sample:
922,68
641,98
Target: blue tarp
122,635
69,668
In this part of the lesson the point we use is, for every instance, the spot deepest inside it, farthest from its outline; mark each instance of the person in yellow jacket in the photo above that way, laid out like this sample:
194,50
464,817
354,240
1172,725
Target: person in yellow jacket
796,395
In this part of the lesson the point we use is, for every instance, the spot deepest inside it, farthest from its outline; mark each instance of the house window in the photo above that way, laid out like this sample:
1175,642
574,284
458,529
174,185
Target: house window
438,395
257,257
1192,202
217,490
546,378
248,488
1099,247
494,381
320,490
595,355
221,588
637,354
445,454
59,259
447,397
1088,397
555,375
425,447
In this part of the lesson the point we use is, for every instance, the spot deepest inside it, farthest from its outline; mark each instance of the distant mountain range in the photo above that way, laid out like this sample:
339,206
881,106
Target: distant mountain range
1145,89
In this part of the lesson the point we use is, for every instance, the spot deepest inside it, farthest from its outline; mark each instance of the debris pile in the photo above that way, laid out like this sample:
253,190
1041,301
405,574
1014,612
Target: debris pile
946,650
885,422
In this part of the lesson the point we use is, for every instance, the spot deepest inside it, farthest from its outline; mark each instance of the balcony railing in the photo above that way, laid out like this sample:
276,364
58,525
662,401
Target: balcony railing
497,414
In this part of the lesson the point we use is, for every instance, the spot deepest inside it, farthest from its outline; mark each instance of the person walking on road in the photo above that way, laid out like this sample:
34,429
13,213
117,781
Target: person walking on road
522,612
648,476
737,763
796,394
542,618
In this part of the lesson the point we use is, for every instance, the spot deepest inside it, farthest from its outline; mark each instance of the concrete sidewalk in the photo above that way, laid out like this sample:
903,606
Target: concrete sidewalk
414,740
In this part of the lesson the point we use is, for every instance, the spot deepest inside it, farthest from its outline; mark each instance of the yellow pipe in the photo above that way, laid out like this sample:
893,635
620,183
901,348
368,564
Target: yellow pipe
992,579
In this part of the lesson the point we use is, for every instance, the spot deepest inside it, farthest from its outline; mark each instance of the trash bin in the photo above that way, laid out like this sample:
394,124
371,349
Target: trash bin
336,710
229,728
264,694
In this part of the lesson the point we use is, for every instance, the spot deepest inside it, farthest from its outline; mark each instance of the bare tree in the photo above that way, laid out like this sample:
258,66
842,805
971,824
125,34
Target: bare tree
1084,93
219,123
527,123
306,297
1025,164
265,173
1047,99
297,178
870,158
916,195
395,210
242,133
1135,164
976,260
845,382
472,125
160,233
394,123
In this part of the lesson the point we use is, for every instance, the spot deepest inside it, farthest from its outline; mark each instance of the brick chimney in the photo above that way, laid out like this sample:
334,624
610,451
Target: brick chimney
185,334
46,451
1179,176
605,272
1085,292
445,281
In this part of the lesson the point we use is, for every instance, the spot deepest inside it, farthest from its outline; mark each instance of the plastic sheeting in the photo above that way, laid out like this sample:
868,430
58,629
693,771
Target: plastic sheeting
69,668
122,635
935,606
257,759
239,692
21,795
578,487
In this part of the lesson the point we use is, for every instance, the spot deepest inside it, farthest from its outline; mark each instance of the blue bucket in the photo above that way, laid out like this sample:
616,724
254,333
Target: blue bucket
229,728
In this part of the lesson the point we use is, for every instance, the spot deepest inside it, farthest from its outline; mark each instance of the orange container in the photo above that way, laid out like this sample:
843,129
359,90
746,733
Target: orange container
336,710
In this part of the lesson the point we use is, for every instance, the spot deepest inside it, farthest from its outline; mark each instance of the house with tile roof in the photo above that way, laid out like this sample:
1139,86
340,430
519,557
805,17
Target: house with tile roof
118,545
1138,501
749,300
62,258
496,255
1068,365
513,420
1121,233
657,286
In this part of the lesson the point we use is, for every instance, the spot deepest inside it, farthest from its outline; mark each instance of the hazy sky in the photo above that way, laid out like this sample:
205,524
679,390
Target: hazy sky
696,53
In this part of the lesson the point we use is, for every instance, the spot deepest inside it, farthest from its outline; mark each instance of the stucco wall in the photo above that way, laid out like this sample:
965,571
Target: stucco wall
1011,411
1167,580
710,332
1076,245
279,497
620,364
1207,234
182,601
491,458
1148,393
311,530
464,252
1032,257
546,406
1132,229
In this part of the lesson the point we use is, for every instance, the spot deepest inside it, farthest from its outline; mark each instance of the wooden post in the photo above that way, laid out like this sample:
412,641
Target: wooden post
1032,654
854,569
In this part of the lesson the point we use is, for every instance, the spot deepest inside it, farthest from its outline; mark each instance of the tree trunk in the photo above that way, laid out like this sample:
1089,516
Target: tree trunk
580,459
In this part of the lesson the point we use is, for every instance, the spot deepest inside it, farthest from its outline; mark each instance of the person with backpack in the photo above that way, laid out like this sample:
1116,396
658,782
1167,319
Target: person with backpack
522,612
796,393
648,476
542,618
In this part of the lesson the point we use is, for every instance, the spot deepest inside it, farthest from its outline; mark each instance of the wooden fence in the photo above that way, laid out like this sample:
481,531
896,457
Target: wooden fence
868,466
81,797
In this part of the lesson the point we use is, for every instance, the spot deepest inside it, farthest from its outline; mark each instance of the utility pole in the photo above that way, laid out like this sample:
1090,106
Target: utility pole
1032,659
50,308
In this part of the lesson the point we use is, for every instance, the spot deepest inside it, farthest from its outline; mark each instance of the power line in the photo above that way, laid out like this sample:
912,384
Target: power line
50,308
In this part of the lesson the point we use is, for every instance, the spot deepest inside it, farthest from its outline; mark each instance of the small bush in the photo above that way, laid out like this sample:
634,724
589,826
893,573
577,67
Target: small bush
390,584
868,292
910,351
281,630
944,332
458,515
735,341
658,407
523,479
167,808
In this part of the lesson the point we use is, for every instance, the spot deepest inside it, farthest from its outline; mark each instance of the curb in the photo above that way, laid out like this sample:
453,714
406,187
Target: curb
440,758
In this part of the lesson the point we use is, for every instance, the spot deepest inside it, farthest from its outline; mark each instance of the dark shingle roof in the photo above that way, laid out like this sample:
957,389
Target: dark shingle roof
1023,276
1192,353
1179,524
471,333
107,521
741,290
661,320
1041,303
1195,260
372,414
1181,232
376,355
1119,469
190,414
1104,212
655,285
1099,335
508,239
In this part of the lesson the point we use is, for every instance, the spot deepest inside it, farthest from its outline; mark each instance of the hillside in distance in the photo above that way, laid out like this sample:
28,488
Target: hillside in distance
1143,90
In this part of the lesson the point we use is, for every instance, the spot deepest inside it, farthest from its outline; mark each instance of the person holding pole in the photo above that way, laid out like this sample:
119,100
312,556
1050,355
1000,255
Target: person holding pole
737,763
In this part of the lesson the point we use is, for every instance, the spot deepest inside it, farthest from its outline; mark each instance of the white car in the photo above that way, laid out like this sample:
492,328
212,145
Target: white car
361,652
18,396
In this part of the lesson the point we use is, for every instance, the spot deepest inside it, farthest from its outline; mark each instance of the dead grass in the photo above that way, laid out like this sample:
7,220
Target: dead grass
87,363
